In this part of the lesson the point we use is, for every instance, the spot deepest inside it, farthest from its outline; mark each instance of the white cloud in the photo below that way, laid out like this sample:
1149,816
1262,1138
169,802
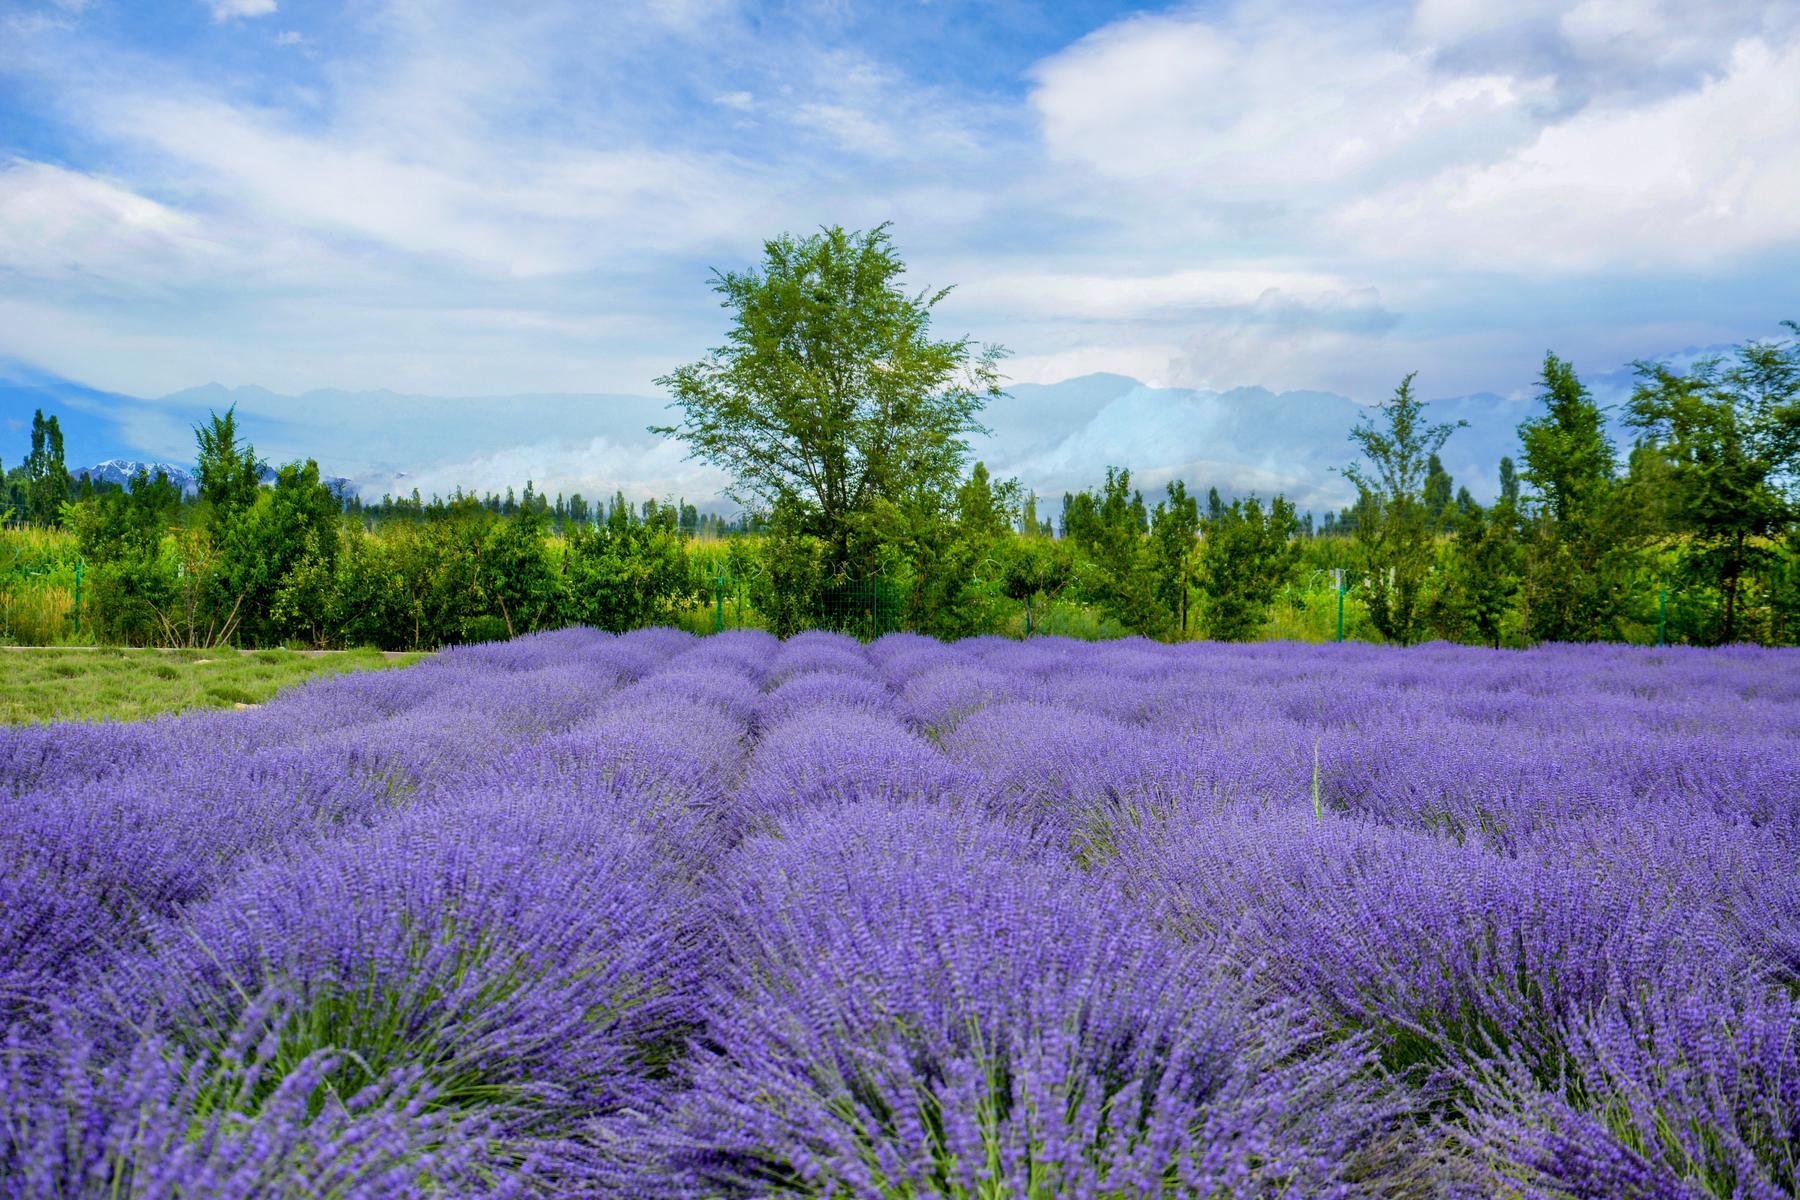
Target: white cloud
67,227
1264,107
1599,49
525,211
226,10
1683,181
1125,296
1148,362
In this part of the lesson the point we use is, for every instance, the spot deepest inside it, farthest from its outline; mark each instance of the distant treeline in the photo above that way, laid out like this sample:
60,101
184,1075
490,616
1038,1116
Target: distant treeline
1692,538
558,515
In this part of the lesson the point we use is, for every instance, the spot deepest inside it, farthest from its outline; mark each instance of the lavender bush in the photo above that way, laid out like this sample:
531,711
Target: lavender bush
651,914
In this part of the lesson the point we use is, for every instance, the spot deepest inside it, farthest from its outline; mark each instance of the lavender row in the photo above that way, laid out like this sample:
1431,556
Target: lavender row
661,915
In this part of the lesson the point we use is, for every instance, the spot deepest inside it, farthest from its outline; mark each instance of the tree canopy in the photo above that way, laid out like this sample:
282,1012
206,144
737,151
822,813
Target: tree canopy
1728,438
1393,522
830,391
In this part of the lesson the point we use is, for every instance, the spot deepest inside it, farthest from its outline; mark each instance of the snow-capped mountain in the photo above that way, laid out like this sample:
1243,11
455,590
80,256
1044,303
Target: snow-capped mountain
119,472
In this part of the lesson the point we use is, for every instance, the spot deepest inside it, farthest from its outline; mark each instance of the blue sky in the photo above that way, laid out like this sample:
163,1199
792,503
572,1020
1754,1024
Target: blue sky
491,200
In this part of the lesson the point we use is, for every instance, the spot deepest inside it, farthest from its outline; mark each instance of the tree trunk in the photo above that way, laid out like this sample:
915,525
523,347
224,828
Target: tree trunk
1733,569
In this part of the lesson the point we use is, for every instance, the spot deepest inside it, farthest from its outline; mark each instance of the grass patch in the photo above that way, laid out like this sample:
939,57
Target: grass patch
127,685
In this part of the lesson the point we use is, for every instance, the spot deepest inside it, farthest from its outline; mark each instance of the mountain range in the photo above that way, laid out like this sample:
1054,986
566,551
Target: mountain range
1053,437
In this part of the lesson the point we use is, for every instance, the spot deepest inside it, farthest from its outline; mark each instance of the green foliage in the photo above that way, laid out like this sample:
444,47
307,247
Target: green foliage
788,591
1246,557
943,567
1479,578
132,583
1728,442
1113,565
46,476
1784,592
1393,524
829,392
227,473
1509,482
1581,523
1570,550
518,577
1173,550
1569,459
1439,510
291,529
627,572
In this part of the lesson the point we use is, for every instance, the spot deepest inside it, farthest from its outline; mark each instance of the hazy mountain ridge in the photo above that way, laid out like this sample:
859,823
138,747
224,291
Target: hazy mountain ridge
1053,437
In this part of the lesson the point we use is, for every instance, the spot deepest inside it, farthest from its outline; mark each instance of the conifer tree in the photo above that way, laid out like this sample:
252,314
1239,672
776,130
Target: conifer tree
46,474
1580,539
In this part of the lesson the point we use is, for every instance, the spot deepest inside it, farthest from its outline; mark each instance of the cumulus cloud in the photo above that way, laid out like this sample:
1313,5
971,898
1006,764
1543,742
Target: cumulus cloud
1514,138
1687,180
1267,106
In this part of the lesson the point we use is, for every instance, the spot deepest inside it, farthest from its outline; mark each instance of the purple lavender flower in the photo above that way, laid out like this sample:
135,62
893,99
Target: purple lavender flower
79,1120
831,756
1678,1095
528,959
921,1003
659,914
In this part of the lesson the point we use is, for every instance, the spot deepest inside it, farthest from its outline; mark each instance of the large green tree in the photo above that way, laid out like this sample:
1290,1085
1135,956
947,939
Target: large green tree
830,391
1728,437
227,471
1174,533
1114,568
1479,576
46,475
291,527
1246,556
1580,522
1393,522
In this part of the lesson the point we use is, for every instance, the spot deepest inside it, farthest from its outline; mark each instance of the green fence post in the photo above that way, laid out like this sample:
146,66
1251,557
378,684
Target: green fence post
1339,572
78,597
719,603
1662,616
1028,628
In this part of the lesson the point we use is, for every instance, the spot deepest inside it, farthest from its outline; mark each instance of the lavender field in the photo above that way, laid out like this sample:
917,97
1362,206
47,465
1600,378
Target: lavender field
656,915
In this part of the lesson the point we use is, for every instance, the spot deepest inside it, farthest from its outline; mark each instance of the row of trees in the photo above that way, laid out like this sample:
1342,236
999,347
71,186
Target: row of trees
36,490
831,405
1568,549
283,563
1706,501
559,514
844,425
